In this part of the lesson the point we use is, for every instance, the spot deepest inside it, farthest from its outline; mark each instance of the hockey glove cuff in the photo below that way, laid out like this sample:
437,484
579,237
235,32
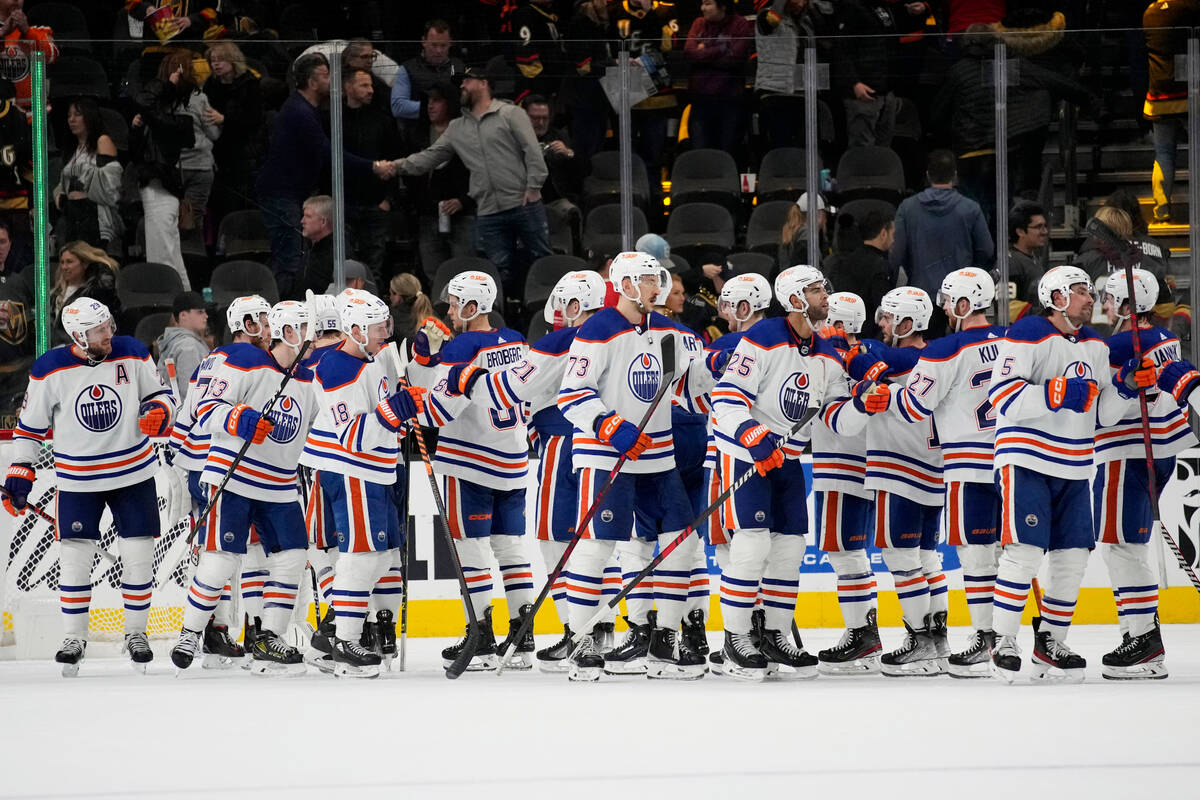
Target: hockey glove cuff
18,483
716,361
762,444
1179,378
154,418
427,344
622,435
404,405
1136,374
462,377
871,397
863,365
246,423
1071,394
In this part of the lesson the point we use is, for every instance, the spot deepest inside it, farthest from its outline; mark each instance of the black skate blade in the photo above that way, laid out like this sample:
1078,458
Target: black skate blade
1144,672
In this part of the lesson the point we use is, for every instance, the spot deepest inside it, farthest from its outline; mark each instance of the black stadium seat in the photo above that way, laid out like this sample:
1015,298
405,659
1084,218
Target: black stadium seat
702,233
545,272
782,175
870,171
602,230
766,225
243,234
235,279
148,285
603,185
706,176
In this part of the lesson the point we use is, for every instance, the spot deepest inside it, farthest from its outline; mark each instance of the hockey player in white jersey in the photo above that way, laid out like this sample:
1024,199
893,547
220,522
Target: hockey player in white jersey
844,513
950,386
1122,512
1051,385
354,446
102,398
614,372
261,490
780,369
904,467
482,454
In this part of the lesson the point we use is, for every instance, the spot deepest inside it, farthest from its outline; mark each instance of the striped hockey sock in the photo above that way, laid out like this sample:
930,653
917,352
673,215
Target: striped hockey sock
856,596
980,591
479,583
611,587
738,598
136,599
350,611
389,590
1137,606
518,585
1057,614
912,590
251,587
1009,603
779,599
939,594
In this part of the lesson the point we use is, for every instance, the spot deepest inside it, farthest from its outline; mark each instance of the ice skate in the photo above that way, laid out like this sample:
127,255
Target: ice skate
370,637
139,651
694,631
975,660
916,657
554,657
519,654
741,660
941,639
585,662
484,658
220,651
271,655
605,636
669,657
352,660
716,662
758,621
185,649
857,653
1136,658
385,626
629,657
320,647
249,636
785,660
1053,661
1006,659
70,655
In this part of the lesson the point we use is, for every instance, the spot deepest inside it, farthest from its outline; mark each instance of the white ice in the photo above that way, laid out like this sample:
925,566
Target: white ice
111,733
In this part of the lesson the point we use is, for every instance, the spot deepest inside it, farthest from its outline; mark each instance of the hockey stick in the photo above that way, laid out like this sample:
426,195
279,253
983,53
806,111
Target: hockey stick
1112,247
404,557
668,362
471,644
100,551
1037,601
686,532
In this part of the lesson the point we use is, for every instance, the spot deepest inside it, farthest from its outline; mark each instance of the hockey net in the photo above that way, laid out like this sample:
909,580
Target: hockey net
31,565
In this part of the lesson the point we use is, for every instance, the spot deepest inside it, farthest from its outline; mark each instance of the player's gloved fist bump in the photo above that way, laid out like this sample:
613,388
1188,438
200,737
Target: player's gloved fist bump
246,423
462,377
428,341
615,430
716,361
1179,378
1071,394
762,444
1135,374
861,364
154,418
404,405
18,483
871,397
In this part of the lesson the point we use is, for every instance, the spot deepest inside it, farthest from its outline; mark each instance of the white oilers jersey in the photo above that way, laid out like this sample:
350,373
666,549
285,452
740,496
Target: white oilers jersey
839,460
347,437
1028,433
476,442
533,382
615,366
250,376
190,441
773,378
950,384
91,412
903,458
1170,432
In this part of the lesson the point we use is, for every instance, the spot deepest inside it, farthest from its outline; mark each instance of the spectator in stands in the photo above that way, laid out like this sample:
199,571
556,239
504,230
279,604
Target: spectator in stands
1098,264
18,42
10,262
650,27
441,198
89,187
357,277
863,68
16,179
371,133
158,135
793,239
236,102
410,305
865,270
582,98
316,226
560,193
361,54
298,151
419,73
83,271
1028,235
1155,256
672,307
16,330
718,47
780,35
537,49
1168,26
183,341
495,141
195,160
939,230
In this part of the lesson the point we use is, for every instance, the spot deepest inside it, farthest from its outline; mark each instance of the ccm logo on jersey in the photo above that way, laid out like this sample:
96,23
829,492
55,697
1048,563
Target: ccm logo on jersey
1078,369
98,407
645,374
286,418
793,396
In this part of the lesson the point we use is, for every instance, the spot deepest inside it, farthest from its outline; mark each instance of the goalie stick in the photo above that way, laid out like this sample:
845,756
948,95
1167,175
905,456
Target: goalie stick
1119,252
668,361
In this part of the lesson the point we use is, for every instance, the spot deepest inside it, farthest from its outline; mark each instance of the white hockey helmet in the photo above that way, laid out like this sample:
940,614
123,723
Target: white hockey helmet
325,309
84,315
793,281
848,309
585,285
975,285
1145,287
749,287
635,266
289,314
1061,279
472,287
251,306
906,302
358,307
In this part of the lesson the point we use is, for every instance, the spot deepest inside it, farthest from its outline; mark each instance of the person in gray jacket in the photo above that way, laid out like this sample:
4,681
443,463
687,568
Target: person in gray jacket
495,141
183,341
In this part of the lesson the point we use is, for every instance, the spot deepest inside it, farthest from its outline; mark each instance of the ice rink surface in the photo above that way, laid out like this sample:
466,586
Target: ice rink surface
112,734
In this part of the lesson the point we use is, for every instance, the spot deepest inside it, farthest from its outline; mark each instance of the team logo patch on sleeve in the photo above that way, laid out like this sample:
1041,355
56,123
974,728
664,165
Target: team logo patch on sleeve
286,417
98,407
793,396
645,374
